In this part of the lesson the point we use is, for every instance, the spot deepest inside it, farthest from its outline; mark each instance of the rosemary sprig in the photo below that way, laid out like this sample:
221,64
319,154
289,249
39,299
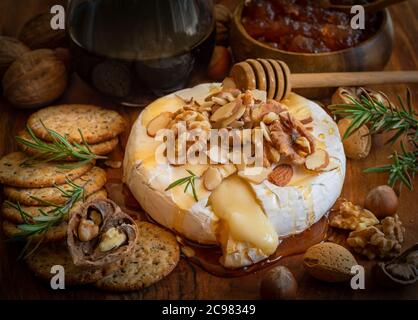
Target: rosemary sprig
189,181
383,117
403,168
46,220
380,117
60,149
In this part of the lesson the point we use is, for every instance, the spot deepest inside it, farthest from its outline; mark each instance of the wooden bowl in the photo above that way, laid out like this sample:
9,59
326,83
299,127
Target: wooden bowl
370,55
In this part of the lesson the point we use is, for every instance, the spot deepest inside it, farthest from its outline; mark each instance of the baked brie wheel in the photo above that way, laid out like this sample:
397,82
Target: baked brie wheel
246,212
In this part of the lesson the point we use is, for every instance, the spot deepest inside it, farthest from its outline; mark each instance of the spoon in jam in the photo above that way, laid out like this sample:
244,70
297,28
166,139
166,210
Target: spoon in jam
368,6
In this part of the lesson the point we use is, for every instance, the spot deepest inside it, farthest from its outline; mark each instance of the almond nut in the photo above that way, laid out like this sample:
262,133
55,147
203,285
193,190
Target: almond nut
329,262
212,178
317,161
357,146
281,175
158,123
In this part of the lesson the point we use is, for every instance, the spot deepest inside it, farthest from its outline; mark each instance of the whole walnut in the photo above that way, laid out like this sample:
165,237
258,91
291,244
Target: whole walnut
35,79
10,50
37,33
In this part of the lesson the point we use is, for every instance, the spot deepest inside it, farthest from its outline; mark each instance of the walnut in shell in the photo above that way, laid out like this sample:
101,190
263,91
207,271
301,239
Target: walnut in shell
10,50
100,234
35,79
38,34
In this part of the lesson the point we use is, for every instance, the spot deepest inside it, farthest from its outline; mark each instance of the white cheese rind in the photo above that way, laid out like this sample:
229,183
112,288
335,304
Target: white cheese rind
290,209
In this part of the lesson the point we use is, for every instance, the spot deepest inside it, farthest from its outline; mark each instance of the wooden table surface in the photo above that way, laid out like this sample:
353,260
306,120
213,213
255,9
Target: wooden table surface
188,281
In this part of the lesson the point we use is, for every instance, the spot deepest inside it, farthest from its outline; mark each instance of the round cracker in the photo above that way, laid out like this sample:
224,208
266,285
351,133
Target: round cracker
92,181
11,214
156,254
97,124
37,175
100,149
46,256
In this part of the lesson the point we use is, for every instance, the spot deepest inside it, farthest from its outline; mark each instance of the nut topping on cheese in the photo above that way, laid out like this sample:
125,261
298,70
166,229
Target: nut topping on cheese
238,207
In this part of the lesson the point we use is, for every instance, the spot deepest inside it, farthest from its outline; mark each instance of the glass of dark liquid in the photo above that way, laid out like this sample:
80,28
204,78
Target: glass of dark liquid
136,50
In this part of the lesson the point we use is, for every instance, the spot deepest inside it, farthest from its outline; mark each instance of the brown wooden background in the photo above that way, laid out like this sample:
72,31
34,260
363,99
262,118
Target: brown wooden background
188,281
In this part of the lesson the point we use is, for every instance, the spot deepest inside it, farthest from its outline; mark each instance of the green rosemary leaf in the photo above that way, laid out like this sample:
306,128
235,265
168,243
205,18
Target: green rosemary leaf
189,181
60,149
401,121
177,183
42,223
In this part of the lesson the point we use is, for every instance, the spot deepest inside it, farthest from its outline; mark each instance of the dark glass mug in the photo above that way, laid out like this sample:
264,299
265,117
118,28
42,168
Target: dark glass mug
135,50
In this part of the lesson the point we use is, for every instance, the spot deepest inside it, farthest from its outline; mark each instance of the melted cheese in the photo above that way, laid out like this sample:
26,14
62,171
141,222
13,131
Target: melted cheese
185,200
234,203
170,104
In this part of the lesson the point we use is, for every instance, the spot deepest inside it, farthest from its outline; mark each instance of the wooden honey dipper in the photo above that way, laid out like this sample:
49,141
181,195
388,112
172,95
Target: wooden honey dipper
274,77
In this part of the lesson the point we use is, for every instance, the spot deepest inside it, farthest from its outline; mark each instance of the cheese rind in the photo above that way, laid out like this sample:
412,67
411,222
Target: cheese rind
290,210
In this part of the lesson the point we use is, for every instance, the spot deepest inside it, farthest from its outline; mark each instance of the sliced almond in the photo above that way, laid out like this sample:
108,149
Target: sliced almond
255,175
273,154
219,101
281,175
303,114
217,155
334,164
247,98
212,178
237,124
237,115
226,170
317,160
226,111
270,117
303,145
158,123
266,131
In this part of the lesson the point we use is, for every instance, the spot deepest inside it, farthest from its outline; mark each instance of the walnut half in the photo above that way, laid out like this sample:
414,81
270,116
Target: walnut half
383,241
348,216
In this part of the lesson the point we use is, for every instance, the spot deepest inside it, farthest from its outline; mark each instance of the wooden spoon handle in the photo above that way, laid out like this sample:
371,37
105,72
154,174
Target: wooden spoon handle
370,7
324,80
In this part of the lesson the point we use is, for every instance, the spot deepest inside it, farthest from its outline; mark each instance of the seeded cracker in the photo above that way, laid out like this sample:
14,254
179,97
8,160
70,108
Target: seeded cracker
39,175
100,149
46,256
97,124
156,254
92,181
13,215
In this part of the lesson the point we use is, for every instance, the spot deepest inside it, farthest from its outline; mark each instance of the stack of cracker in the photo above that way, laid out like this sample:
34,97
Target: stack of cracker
34,186
43,185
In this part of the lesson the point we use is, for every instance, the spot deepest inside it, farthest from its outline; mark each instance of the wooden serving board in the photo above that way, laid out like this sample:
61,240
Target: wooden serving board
189,281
